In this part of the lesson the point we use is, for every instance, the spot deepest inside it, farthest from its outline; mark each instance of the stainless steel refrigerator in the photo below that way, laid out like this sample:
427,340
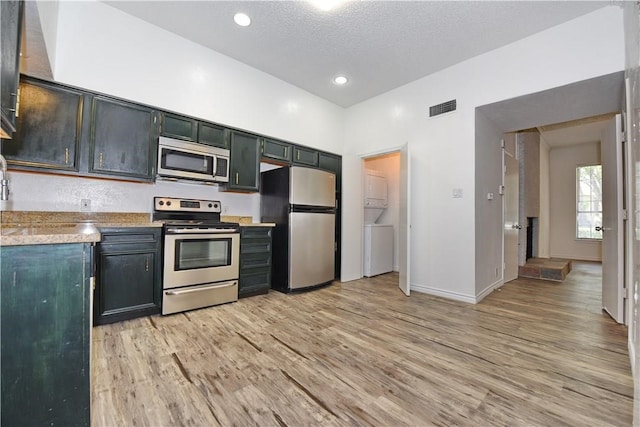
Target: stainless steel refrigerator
301,202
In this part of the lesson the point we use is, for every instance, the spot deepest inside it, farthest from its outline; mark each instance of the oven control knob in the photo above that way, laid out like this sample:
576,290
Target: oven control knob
215,205
169,203
161,202
210,205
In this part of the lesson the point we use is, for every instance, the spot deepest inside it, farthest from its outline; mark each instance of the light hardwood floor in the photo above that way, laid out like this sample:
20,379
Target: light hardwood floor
361,353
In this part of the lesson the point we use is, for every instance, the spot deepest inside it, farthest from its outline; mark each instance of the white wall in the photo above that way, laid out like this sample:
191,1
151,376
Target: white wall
48,12
562,202
102,49
545,187
444,148
40,192
389,166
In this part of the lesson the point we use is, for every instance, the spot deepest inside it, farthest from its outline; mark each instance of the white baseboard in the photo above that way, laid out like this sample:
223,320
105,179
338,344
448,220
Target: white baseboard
573,258
488,290
471,299
444,294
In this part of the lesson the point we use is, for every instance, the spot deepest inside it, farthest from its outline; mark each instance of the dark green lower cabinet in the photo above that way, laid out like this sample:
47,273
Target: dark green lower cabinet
255,261
128,274
45,335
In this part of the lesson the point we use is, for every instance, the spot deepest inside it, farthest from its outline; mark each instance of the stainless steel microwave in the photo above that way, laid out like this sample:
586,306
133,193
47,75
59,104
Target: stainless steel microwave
187,160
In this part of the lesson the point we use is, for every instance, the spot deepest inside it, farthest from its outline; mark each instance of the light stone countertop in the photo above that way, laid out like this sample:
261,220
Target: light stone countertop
42,228
47,235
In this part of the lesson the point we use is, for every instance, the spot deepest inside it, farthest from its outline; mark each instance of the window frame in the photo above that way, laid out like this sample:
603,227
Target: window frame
578,211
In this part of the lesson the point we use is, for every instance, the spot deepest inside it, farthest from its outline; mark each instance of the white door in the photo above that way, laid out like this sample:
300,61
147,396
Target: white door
510,209
404,255
612,220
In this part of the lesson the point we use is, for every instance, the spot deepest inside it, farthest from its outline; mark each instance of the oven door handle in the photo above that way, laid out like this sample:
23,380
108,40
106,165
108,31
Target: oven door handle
188,291
199,230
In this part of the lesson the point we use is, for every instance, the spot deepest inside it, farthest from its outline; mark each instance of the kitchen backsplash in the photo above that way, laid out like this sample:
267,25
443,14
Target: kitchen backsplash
43,192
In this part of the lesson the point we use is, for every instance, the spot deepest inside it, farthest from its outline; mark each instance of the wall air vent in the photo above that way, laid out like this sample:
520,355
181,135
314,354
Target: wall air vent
445,107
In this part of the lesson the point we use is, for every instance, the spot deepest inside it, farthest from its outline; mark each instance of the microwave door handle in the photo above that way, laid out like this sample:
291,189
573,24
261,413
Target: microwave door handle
215,165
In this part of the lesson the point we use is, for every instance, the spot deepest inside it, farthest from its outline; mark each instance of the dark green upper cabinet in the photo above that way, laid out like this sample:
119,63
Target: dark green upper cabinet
244,162
276,150
305,156
123,139
10,33
48,129
193,130
331,163
211,134
179,127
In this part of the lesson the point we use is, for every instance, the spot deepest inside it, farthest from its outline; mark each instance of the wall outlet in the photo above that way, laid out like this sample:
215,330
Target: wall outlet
85,205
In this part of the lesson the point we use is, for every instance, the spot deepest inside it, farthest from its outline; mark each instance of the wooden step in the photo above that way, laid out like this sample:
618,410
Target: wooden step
554,269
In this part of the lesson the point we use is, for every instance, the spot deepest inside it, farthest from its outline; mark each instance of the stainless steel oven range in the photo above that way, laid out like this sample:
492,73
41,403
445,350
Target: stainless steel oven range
201,254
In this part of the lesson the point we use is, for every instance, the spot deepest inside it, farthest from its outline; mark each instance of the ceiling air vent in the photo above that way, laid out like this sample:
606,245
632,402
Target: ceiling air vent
445,107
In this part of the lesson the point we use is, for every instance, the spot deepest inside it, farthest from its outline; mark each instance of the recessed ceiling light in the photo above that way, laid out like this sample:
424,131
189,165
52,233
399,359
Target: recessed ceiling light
340,80
326,5
242,19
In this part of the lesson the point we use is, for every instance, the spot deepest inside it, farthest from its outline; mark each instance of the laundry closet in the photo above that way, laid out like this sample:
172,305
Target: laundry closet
381,190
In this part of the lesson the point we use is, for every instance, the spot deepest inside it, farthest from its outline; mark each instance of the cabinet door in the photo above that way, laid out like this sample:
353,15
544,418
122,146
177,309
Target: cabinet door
123,139
211,134
128,274
331,163
244,162
45,335
305,156
276,150
126,285
49,127
179,127
10,33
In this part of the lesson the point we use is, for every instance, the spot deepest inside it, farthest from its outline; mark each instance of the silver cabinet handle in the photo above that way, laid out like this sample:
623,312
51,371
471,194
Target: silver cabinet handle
188,291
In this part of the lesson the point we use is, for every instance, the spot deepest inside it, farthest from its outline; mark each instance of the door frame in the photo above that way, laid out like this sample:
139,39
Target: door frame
377,153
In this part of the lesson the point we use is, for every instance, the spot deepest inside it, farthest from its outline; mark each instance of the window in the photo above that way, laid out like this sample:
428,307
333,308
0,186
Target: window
589,202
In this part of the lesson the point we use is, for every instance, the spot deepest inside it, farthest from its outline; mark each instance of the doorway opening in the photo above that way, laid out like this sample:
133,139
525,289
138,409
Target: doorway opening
381,213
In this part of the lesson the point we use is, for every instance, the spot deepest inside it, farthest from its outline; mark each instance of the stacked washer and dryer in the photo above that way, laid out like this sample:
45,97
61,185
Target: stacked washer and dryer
378,238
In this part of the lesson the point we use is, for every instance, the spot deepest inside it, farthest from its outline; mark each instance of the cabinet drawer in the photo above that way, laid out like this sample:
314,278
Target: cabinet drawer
131,235
255,232
252,246
255,282
258,260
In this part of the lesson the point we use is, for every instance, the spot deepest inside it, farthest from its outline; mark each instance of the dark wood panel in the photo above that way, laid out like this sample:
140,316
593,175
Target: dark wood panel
45,335
48,129
123,139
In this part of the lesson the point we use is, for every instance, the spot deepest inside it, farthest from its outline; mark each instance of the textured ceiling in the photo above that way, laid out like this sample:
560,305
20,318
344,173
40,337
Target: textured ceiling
378,45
